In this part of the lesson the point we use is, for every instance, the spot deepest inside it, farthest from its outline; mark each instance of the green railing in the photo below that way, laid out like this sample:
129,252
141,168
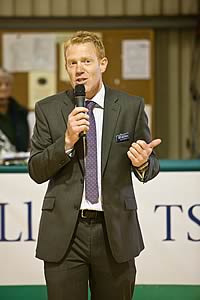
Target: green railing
165,166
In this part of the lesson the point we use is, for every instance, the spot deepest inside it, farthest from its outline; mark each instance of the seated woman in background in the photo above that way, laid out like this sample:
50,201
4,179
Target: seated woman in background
14,127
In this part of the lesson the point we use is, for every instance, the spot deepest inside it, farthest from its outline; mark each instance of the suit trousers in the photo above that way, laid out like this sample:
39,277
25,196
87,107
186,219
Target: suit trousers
89,263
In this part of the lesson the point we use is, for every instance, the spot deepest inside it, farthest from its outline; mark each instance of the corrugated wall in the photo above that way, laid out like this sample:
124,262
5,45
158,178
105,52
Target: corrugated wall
173,100
97,7
173,56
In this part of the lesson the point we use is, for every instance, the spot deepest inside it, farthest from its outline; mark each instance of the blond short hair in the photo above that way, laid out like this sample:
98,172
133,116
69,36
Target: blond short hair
5,73
82,37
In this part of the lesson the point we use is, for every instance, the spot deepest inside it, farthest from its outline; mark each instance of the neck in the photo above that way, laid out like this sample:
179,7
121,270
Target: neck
3,106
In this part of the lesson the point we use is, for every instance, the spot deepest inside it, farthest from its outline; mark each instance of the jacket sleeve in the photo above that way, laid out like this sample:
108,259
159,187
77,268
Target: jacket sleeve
47,157
142,132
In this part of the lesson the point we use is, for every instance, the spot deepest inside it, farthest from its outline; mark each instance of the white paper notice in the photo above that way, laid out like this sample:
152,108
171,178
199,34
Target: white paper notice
28,52
17,49
135,59
44,50
40,85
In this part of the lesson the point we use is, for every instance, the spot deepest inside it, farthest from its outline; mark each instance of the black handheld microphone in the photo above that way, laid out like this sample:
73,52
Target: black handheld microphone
79,97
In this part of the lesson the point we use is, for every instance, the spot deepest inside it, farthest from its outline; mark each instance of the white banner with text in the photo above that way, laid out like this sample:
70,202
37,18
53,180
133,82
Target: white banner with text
169,214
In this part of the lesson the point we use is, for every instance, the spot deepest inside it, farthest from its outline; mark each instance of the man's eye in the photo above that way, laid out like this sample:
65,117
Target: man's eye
87,61
71,63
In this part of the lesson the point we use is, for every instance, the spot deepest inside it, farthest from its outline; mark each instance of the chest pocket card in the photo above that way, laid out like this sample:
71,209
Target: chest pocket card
122,137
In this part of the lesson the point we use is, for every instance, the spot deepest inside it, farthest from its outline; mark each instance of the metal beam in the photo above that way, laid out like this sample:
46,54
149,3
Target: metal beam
77,23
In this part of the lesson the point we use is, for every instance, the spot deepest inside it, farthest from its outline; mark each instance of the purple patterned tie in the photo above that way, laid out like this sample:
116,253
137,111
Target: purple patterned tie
91,179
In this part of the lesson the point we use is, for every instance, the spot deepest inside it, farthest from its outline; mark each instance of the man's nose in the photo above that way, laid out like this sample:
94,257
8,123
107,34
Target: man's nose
79,67
3,86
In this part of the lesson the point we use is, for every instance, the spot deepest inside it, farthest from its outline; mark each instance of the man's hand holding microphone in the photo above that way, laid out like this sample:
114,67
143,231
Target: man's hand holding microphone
78,119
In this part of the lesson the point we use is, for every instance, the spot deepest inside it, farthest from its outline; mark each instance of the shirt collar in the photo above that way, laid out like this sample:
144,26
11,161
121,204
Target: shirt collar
99,97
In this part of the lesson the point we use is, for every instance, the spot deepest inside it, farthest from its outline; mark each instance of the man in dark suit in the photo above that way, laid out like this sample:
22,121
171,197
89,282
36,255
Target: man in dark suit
89,230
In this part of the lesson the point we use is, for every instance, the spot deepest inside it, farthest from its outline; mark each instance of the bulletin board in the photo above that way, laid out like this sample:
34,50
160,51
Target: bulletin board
130,54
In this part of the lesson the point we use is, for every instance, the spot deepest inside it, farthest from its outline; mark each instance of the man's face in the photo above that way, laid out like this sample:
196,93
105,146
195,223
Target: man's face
84,67
5,86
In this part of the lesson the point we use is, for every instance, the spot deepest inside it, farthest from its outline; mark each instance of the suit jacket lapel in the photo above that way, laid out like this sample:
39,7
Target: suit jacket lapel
111,114
67,105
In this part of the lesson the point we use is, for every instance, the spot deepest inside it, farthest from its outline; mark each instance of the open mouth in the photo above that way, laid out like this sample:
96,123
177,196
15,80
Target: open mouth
81,80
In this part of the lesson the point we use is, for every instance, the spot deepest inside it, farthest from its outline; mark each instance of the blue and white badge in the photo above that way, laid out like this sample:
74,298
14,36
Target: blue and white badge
122,137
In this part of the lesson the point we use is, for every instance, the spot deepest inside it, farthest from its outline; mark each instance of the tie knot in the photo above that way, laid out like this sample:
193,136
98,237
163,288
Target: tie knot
90,104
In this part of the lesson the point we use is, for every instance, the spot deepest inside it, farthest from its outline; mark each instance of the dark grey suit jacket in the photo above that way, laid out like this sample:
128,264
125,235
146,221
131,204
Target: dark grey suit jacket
48,161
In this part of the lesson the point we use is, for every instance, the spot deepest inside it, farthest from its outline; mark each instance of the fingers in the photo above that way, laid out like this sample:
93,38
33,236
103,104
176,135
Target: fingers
78,110
140,151
155,143
152,144
136,160
78,121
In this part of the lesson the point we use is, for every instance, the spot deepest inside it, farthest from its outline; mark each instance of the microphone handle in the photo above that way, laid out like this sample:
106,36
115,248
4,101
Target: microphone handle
80,102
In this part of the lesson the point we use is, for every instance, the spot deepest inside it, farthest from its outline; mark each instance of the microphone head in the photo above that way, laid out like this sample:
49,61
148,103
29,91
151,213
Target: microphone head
79,90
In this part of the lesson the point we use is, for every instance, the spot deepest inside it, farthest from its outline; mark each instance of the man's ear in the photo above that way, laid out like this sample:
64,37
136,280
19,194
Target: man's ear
103,64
